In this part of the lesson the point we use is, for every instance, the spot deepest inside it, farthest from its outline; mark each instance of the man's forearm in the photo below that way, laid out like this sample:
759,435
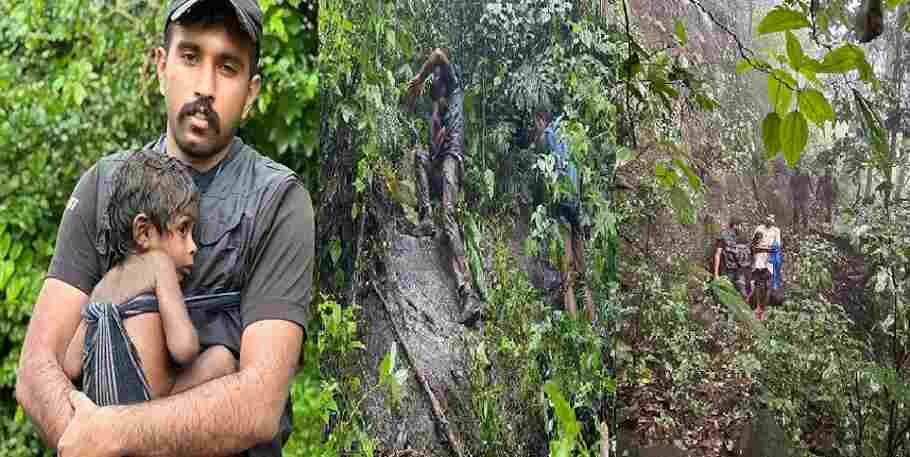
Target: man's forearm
222,417
43,391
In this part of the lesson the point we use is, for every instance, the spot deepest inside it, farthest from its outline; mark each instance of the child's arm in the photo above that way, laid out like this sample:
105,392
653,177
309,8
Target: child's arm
179,333
72,361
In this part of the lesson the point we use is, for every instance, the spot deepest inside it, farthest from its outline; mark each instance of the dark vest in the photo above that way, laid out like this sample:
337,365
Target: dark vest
245,182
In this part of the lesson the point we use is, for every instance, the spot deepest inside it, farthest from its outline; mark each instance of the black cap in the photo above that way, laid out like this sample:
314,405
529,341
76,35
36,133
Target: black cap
248,13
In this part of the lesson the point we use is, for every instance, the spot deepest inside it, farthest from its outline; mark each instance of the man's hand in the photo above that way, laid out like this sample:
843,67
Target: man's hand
415,87
89,433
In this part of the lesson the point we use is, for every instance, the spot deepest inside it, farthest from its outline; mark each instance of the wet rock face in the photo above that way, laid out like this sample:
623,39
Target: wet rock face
763,437
419,291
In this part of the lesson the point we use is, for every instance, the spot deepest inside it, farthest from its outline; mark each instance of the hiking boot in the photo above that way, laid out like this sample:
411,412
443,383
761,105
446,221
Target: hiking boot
425,227
470,306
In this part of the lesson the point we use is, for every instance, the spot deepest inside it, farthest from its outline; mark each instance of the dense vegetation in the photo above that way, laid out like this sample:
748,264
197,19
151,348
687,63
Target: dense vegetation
659,98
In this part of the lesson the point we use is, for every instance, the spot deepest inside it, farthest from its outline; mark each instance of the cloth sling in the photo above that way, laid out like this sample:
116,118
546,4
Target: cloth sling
112,370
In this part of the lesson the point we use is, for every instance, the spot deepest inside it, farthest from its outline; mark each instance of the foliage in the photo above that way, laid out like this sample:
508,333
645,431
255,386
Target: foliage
528,350
327,416
71,92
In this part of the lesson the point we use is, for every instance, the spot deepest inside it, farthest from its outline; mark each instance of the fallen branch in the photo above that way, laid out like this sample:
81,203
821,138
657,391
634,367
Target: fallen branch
438,413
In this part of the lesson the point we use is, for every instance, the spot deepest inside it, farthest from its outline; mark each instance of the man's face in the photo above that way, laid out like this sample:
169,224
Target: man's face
205,78
539,126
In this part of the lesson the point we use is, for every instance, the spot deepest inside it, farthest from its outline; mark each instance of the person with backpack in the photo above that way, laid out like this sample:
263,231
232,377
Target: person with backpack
567,209
734,256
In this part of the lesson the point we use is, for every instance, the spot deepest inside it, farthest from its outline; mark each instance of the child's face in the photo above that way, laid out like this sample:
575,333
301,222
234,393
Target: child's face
178,242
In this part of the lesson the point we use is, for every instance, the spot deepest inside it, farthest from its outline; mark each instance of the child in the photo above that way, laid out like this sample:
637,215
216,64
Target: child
124,346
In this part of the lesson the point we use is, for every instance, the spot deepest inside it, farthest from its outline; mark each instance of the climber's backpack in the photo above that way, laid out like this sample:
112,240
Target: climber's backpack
736,255
564,162
743,254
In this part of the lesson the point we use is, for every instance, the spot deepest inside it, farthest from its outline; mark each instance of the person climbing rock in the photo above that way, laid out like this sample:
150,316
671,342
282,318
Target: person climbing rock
443,163
766,244
733,255
567,209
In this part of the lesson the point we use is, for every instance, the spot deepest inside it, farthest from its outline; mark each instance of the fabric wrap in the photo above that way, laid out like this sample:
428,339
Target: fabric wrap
111,367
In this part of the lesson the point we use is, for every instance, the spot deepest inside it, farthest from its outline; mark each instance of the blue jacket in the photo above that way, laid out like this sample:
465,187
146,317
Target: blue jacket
776,259
565,165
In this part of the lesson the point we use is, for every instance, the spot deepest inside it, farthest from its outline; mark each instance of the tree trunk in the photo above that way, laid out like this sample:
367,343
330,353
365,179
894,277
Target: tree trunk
896,152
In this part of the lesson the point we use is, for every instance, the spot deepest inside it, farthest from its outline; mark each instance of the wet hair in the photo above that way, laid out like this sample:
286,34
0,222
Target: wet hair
210,13
543,113
152,183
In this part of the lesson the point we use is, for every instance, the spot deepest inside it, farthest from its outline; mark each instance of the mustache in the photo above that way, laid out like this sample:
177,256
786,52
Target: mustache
203,106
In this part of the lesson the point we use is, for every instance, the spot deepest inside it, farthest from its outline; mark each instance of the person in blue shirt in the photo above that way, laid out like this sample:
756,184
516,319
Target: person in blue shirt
567,208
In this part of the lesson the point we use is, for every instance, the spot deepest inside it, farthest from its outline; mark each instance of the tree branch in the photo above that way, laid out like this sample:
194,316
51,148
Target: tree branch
741,47
630,122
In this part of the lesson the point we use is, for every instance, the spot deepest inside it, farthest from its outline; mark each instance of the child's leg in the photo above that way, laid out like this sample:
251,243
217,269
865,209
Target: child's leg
214,362
72,361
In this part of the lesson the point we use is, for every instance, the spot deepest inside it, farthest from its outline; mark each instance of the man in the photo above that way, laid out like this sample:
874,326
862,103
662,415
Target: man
567,209
766,246
255,240
444,163
733,255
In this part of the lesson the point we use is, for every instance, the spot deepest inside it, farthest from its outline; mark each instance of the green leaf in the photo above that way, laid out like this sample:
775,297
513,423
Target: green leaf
5,241
15,251
892,4
664,175
694,180
15,288
727,294
681,35
706,103
781,19
661,86
388,364
623,155
564,412
7,268
874,132
684,209
335,251
840,60
742,66
779,92
815,107
770,133
794,51
794,135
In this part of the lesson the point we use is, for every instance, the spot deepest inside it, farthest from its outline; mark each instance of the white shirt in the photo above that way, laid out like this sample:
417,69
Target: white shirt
769,236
